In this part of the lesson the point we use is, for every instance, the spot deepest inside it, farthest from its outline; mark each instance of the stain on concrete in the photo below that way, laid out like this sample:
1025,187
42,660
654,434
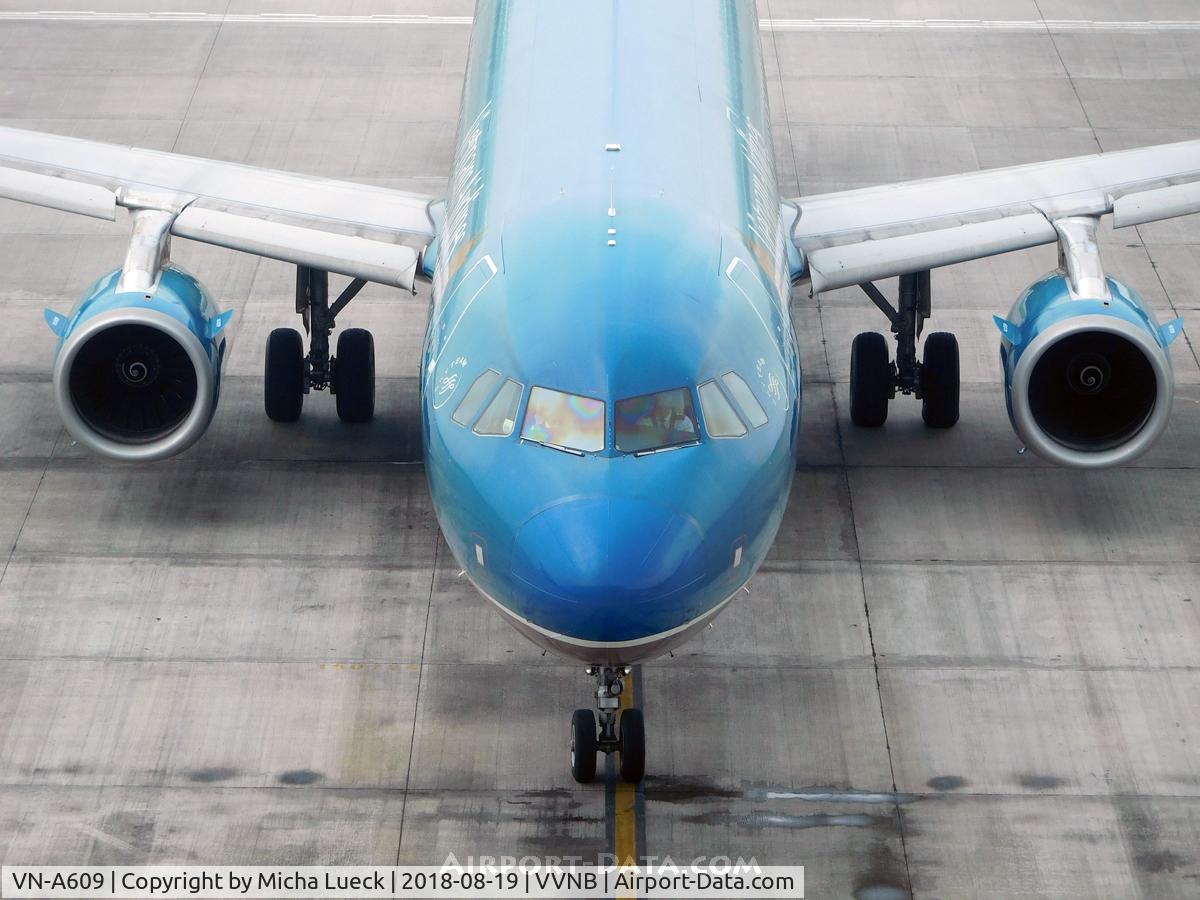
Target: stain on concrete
1040,782
1159,861
72,769
208,776
548,794
121,838
947,782
300,776
569,848
669,789
1141,832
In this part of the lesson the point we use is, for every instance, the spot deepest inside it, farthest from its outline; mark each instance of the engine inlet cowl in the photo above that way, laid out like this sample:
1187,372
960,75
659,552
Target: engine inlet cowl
1089,382
136,377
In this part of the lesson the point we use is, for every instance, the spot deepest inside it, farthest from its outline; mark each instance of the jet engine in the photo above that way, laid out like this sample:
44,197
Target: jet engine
1088,379
137,373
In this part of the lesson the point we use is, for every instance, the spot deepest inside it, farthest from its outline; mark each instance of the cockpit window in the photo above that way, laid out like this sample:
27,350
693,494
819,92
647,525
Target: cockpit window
564,421
719,417
501,414
475,396
656,421
744,397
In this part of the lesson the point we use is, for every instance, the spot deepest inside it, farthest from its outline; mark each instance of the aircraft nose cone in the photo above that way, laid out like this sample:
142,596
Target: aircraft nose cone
608,552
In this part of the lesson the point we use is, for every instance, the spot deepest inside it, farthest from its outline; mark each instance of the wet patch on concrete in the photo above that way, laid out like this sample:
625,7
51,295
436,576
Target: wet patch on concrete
947,782
300,776
830,795
684,790
214,774
761,820
1040,782
886,879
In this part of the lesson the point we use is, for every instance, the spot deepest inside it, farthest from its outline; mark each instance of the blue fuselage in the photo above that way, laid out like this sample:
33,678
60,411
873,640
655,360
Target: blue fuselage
613,230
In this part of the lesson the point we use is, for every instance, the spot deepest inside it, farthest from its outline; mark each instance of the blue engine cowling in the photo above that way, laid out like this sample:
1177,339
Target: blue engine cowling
137,376
1089,382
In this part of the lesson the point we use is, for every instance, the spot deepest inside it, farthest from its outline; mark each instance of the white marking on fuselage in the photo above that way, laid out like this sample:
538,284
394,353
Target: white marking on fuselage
486,261
762,220
466,187
268,18
774,338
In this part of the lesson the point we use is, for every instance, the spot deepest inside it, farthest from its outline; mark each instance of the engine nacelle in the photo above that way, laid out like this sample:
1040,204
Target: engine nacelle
137,375
1089,382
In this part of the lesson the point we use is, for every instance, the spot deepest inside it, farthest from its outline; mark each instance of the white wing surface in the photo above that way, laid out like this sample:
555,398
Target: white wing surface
850,237
352,229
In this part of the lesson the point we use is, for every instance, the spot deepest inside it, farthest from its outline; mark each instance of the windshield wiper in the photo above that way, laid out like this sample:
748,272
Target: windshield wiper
553,446
669,447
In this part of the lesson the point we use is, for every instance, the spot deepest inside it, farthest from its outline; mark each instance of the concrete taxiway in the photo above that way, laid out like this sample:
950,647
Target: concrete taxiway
961,672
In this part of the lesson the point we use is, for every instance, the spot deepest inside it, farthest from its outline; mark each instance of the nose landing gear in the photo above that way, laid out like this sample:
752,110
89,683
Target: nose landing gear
622,731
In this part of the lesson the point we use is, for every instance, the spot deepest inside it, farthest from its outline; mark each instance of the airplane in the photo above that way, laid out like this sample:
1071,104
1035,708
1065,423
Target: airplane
610,383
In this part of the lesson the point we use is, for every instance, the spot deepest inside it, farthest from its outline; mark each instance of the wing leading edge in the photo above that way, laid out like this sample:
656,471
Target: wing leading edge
352,229
855,236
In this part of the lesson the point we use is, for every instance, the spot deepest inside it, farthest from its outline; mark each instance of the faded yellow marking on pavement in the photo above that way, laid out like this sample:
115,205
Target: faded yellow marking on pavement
625,830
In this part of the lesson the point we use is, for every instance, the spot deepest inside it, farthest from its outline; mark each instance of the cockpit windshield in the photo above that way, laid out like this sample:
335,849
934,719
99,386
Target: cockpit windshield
564,421
656,421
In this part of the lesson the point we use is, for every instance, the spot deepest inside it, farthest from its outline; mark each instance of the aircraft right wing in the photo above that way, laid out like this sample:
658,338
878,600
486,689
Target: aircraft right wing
856,236
373,233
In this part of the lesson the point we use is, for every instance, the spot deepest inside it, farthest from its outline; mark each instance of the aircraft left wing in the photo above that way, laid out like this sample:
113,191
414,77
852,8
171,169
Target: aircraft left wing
373,233
856,236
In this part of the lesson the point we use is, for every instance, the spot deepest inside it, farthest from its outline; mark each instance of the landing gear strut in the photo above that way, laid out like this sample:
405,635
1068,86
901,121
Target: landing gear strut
290,373
622,731
875,379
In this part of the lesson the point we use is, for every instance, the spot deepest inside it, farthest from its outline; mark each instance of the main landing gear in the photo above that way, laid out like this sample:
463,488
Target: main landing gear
290,373
875,379
622,731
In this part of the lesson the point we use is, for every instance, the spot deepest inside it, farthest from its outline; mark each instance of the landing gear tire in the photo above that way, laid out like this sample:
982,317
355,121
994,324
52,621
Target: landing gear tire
583,746
354,376
871,380
939,380
633,746
284,375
